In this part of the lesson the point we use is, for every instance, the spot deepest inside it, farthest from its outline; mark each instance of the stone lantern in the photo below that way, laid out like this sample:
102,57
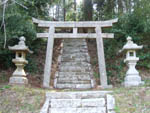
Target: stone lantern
132,75
19,75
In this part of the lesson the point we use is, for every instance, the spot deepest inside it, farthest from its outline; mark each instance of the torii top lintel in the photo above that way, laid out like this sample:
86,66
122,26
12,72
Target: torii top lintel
107,23
75,25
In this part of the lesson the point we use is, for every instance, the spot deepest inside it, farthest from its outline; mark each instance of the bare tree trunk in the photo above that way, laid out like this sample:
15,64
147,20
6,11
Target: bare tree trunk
75,8
130,6
88,10
57,12
110,7
64,10
120,6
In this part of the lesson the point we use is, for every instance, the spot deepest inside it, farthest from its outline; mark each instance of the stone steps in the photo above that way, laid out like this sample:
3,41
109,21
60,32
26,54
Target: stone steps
70,81
76,46
69,56
73,86
73,78
71,51
75,42
63,65
78,110
79,102
75,64
76,54
77,95
75,60
79,48
74,50
75,71
79,45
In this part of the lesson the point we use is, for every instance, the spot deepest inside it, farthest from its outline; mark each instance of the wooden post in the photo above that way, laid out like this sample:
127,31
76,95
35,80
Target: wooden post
48,61
101,57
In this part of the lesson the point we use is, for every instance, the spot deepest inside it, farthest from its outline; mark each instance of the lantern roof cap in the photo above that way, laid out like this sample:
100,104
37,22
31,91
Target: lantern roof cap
21,46
130,45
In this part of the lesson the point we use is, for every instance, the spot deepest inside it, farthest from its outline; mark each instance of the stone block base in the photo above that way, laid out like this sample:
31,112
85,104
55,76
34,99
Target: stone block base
104,87
18,80
79,102
132,80
134,83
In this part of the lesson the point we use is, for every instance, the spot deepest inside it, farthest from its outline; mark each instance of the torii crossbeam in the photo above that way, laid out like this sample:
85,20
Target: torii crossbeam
98,25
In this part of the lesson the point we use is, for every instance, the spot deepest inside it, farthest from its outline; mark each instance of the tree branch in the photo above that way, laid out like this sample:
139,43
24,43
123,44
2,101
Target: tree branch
4,2
20,4
3,18
3,22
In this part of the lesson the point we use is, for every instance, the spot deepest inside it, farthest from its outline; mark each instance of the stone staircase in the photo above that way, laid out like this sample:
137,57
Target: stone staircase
79,102
75,71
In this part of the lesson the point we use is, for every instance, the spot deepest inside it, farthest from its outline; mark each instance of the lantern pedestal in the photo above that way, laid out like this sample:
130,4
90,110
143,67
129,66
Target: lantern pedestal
18,80
132,76
19,76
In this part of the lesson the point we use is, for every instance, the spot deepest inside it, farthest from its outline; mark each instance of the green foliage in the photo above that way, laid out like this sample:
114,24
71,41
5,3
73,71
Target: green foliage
96,75
33,65
5,87
87,10
19,23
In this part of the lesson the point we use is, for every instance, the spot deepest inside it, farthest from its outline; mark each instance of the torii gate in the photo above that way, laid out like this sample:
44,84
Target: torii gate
98,25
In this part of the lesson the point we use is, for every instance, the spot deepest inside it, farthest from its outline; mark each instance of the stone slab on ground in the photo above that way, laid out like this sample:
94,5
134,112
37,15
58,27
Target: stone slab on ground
73,86
18,80
78,110
79,102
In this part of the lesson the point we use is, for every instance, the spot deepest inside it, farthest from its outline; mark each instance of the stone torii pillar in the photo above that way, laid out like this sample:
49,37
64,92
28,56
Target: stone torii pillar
101,58
49,54
98,25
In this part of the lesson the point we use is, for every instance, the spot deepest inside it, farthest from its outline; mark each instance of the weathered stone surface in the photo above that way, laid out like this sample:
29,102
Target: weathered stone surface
65,103
78,74
77,95
99,102
70,81
18,80
75,71
62,110
75,60
46,106
83,86
75,64
79,102
110,102
61,95
69,78
78,110
48,61
73,86
91,110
